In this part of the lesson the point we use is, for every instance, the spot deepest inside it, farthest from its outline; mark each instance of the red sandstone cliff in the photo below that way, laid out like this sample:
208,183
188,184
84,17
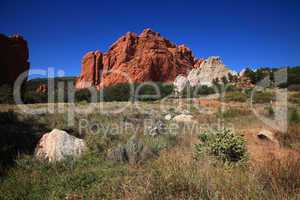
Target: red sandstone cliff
13,58
136,58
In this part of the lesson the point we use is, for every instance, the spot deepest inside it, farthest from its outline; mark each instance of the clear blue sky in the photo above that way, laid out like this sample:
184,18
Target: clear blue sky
244,33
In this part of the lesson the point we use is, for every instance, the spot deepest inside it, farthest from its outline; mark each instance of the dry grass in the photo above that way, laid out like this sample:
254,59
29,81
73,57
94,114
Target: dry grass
291,138
281,176
175,174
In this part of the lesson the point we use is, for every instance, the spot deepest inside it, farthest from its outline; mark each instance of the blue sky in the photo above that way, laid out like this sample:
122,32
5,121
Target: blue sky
243,33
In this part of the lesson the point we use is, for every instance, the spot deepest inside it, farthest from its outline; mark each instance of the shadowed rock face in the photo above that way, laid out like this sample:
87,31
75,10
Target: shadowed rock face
13,58
136,58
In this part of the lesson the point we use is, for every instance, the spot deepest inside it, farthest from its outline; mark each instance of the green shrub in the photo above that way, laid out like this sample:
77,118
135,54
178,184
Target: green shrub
137,91
83,95
223,144
31,97
293,115
197,91
118,92
147,92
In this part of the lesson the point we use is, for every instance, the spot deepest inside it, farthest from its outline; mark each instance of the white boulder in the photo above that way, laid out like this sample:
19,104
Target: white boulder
267,135
180,83
184,118
58,145
168,117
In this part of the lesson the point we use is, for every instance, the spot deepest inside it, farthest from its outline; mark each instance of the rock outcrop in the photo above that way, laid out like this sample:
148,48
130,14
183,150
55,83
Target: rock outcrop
58,145
268,136
204,73
42,89
134,152
210,69
90,70
136,58
180,83
14,56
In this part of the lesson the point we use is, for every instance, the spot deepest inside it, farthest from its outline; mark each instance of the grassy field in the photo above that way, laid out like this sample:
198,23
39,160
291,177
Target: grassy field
176,172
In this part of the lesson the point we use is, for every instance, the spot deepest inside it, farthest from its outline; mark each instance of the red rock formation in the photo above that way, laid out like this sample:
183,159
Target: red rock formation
198,62
42,89
13,58
90,70
147,57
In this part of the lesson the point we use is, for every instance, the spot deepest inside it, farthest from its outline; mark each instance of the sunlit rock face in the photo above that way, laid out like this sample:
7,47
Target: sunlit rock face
59,145
136,58
91,66
212,68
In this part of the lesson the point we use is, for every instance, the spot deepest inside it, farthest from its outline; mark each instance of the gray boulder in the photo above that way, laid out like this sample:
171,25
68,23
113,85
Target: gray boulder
118,155
134,152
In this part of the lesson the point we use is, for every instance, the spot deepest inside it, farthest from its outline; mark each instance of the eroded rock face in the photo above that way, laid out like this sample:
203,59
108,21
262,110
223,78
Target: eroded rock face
207,71
14,56
91,67
137,58
180,83
58,145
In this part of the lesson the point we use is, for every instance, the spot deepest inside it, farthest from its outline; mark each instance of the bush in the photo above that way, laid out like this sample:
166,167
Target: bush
148,92
31,97
83,95
197,91
127,92
118,92
293,115
223,144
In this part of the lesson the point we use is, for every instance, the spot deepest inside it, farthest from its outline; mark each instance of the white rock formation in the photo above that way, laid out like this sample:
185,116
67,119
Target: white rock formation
180,83
58,145
209,70
242,72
